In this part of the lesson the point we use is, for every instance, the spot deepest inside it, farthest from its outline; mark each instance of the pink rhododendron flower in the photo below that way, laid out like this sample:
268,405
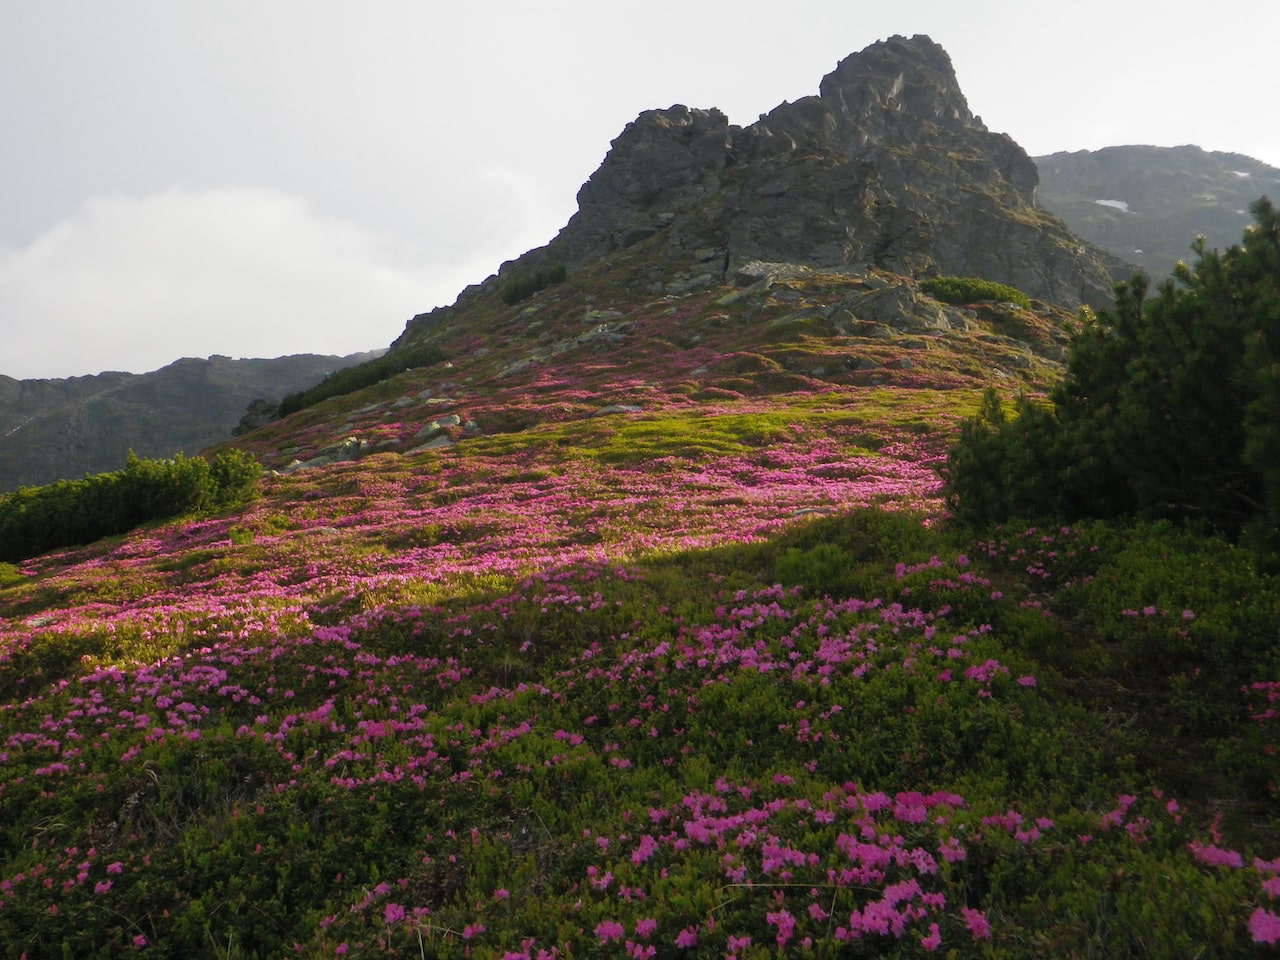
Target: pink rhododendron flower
687,938
979,929
1214,856
607,930
933,940
1264,926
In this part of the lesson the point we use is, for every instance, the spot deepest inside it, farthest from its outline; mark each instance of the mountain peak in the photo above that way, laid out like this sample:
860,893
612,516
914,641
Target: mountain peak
884,168
913,75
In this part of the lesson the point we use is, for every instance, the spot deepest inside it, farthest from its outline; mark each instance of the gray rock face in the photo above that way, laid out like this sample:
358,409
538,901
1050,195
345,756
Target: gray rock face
664,161
886,166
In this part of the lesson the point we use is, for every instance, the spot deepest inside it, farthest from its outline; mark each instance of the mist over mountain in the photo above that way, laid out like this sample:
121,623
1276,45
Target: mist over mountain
1145,204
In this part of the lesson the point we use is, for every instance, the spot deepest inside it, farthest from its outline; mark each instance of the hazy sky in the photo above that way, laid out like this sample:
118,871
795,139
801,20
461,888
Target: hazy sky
262,177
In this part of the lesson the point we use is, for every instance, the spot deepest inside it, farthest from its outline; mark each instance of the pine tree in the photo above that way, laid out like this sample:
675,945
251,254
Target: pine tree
1170,408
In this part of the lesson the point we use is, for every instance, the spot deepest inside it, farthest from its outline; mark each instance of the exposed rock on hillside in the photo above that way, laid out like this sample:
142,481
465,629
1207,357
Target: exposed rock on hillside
1145,204
885,167
61,429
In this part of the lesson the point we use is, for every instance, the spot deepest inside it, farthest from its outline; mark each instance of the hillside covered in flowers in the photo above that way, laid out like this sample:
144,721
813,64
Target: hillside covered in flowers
637,628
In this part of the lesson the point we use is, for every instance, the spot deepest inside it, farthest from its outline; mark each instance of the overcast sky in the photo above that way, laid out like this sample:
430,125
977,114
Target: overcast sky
263,177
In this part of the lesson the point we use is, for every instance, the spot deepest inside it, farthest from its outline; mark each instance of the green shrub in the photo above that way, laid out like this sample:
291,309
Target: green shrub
1167,409
34,520
960,290
351,379
525,286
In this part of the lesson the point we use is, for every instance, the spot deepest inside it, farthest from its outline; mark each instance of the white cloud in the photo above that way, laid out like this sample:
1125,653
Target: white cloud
133,283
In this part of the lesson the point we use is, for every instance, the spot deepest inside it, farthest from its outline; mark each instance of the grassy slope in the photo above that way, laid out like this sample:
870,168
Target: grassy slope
706,678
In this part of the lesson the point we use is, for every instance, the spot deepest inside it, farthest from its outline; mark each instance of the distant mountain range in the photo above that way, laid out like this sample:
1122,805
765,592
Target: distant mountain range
1146,204
62,429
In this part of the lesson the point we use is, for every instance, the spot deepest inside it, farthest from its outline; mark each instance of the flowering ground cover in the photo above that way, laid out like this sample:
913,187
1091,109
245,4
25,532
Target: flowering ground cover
708,675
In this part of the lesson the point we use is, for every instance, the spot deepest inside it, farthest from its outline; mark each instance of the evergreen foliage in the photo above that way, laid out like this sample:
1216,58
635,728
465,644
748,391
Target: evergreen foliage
960,290
34,520
351,379
524,287
1167,411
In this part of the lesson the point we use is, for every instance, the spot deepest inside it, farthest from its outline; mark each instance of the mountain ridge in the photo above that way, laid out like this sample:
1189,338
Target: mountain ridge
52,429
1145,203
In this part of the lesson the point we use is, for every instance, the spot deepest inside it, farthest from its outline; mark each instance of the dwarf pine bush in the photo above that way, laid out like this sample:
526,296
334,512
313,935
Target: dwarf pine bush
350,379
1167,410
525,286
34,520
960,290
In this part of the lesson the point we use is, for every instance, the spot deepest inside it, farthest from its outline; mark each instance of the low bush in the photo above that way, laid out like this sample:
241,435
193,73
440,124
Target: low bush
351,379
34,520
960,290
1166,411
524,287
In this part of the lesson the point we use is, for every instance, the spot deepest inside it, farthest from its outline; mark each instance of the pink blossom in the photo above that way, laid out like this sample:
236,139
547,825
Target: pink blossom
645,849
1264,926
1214,856
785,923
933,940
687,938
979,928
393,913
607,930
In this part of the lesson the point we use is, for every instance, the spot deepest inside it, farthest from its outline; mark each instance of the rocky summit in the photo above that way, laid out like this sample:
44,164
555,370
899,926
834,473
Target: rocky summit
885,167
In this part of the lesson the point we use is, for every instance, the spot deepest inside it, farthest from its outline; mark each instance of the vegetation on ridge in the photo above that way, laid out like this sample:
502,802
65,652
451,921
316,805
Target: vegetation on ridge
525,286
350,379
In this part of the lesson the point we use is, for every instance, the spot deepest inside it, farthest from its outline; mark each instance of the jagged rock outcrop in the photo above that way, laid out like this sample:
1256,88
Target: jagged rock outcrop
886,166
63,429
